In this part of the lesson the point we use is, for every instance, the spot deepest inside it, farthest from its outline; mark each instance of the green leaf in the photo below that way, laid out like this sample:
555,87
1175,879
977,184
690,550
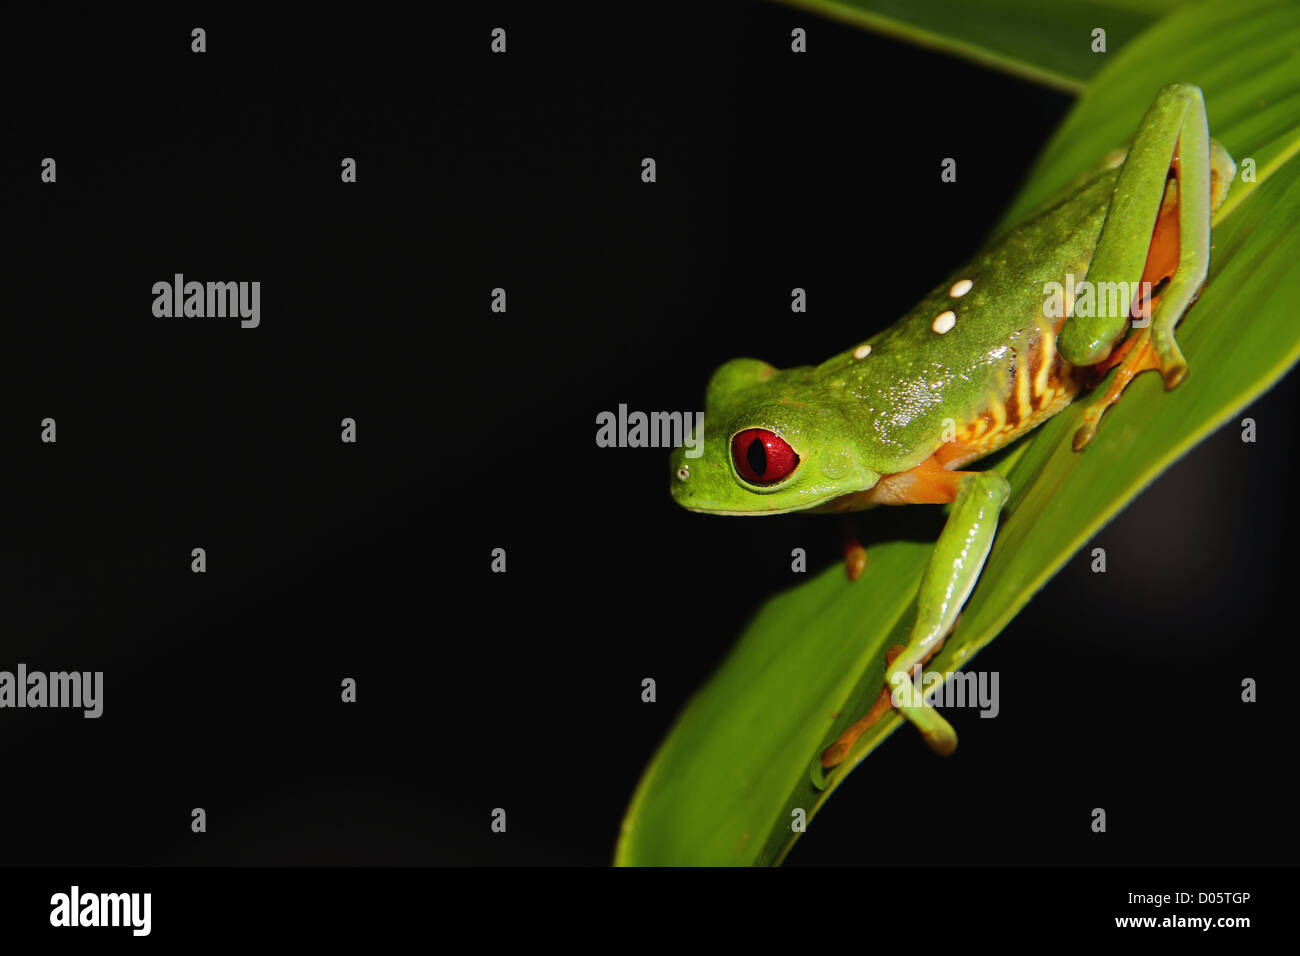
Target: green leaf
1047,43
723,785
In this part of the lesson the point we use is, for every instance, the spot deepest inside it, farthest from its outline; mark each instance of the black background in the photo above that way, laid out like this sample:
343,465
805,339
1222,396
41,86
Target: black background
371,561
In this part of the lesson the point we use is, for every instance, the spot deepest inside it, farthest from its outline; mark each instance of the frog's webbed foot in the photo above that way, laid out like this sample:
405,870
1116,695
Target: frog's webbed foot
1134,356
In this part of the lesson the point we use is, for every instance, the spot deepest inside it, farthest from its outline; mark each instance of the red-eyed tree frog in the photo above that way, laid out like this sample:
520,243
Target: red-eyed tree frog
988,355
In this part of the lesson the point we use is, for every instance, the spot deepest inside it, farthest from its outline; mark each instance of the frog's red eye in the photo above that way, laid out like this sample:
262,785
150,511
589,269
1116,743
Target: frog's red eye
762,457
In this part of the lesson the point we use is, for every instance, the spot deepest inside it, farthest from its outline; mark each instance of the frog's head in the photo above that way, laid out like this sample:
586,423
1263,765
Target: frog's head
764,451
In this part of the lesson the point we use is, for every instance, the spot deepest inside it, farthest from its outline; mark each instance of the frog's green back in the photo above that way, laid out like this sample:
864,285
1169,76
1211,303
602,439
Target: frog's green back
976,354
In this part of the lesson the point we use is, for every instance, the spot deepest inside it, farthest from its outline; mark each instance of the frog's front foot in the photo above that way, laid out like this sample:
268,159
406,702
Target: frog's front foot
939,735
836,752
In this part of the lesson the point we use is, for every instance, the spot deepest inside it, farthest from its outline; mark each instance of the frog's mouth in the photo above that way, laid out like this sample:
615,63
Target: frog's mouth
742,514
682,497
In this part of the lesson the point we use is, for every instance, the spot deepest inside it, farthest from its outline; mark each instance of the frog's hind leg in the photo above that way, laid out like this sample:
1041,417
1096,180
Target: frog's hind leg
1139,352
1173,161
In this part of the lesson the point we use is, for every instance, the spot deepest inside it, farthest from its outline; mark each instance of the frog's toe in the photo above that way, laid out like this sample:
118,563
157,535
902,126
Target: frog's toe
855,561
855,555
1084,435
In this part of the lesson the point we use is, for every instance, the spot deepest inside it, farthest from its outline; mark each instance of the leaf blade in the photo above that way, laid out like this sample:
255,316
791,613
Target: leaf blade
1048,44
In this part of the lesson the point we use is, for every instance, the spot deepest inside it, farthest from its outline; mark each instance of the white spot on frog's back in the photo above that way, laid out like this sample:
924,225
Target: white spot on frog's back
944,322
862,351
960,288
